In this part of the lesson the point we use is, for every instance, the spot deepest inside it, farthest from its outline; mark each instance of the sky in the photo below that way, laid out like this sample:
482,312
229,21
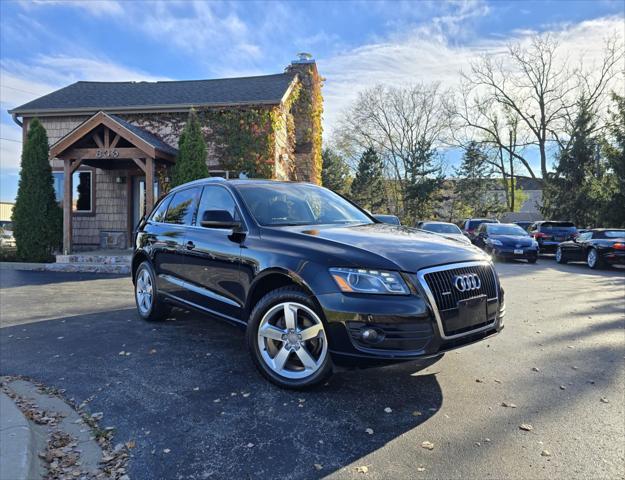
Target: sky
45,45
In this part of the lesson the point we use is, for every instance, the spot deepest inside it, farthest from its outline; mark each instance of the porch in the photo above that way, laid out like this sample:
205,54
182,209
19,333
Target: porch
114,163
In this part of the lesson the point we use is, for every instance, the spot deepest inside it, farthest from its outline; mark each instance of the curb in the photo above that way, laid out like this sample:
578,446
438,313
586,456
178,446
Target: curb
17,445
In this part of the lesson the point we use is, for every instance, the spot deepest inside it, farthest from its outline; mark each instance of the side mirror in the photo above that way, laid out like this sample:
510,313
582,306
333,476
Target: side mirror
219,219
390,219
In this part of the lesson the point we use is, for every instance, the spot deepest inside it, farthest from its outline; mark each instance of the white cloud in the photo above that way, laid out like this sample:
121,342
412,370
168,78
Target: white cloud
427,55
94,7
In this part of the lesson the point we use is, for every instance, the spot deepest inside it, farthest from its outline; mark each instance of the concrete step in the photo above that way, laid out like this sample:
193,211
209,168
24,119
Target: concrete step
99,259
88,267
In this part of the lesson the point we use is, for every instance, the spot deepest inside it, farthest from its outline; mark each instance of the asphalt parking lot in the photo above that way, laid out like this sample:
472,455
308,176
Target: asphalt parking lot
187,393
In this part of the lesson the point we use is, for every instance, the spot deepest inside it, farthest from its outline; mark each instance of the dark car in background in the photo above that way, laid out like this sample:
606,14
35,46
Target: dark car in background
314,279
549,234
506,241
471,225
597,247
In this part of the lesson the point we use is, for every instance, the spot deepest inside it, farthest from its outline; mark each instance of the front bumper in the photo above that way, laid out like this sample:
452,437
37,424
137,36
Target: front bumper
406,325
504,252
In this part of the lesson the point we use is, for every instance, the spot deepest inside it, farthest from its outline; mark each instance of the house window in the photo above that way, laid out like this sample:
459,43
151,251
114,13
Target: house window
82,196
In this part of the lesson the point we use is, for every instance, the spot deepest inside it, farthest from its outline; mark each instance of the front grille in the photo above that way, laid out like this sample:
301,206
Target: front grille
445,293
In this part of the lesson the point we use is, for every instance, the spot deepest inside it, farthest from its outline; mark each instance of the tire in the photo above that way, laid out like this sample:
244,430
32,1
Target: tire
150,305
593,260
278,350
531,260
560,258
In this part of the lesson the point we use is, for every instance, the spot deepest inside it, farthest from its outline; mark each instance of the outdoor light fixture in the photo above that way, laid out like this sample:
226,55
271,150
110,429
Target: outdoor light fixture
120,180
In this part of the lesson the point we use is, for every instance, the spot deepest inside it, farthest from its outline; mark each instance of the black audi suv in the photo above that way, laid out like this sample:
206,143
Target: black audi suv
315,280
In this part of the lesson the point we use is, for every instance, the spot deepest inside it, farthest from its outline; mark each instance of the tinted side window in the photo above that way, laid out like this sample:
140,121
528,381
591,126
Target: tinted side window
216,198
159,213
182,207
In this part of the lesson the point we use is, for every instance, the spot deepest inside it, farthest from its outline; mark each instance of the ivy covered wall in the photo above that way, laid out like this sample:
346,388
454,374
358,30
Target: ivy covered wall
278,141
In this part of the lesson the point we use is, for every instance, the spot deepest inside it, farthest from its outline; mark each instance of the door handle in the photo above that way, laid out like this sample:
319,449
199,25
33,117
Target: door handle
190,245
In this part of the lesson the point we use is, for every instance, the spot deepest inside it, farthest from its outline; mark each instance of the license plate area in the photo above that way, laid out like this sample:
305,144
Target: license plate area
472,312
518,251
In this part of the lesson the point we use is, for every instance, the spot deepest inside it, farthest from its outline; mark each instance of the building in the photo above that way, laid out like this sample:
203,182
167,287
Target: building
6,210
108,140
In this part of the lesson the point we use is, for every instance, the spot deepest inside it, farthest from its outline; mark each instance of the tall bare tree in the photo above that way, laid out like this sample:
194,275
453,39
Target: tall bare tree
404,126
537,85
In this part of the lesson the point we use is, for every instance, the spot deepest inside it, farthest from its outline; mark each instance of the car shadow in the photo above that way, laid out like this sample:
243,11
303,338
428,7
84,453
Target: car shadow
186,391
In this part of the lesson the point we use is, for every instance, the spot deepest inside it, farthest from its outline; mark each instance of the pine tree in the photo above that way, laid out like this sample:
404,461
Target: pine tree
569,193
335,172
612,214
191,162
474,182
37,217
367,189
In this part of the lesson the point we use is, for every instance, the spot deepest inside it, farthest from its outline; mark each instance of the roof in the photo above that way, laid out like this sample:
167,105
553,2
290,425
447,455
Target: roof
148,137
129,96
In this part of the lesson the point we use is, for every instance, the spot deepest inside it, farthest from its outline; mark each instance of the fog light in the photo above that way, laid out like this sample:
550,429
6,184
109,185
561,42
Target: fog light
371,335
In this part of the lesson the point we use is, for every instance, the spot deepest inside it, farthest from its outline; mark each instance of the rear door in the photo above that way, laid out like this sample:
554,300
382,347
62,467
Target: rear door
169,259
212,258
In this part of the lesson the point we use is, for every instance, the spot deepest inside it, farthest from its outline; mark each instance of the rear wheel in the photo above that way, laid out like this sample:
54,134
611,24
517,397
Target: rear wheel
287,339
150,305
560,258
593,260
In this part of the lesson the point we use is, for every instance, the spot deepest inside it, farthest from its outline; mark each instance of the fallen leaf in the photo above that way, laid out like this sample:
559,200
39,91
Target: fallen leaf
526,426
477,444
131,444
545,453
534,369
509,405
250,445
562,387
416,413
479,380
363,469
369,431
153,351
604,400
427,445
420,469
166,450
246,395
318,466
196,389
388,409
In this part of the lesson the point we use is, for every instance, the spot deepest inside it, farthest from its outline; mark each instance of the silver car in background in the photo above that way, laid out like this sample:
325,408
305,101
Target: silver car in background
445,229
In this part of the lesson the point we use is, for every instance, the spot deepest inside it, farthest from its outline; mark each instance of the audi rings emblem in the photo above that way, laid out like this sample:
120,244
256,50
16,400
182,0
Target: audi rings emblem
466,283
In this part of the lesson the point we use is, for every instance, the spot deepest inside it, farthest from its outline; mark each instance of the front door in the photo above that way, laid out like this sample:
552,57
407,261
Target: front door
212,258
137,200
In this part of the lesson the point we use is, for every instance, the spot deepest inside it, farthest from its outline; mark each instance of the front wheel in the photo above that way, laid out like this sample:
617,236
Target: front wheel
560,258
287,339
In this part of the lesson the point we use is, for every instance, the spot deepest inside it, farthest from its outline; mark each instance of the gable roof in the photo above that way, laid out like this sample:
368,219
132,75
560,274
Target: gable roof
138,96
144,140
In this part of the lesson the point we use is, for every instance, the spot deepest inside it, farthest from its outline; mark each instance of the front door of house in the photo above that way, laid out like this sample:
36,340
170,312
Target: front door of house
137,203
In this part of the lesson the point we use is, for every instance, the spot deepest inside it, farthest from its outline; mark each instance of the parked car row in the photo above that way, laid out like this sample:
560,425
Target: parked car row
598,247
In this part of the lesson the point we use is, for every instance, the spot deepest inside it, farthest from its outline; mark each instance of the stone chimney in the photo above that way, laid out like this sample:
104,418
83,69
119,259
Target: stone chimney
307,112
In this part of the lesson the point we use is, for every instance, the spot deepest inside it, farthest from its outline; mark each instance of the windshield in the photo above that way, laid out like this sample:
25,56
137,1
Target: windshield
298,204
441,228
506,230
557,226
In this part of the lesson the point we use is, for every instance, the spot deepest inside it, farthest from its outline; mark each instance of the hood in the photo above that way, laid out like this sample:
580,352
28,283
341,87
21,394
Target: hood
513,240
409,249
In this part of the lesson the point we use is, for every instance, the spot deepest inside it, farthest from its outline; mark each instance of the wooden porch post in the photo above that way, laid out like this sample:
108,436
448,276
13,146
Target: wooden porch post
149,184
67,206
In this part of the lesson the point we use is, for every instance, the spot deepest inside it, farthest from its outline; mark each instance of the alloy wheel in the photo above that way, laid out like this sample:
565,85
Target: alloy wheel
144,292
292,340
592,258
559,255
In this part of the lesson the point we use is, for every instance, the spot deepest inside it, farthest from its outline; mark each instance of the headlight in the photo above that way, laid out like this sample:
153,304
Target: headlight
534,243
494,242
357,280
